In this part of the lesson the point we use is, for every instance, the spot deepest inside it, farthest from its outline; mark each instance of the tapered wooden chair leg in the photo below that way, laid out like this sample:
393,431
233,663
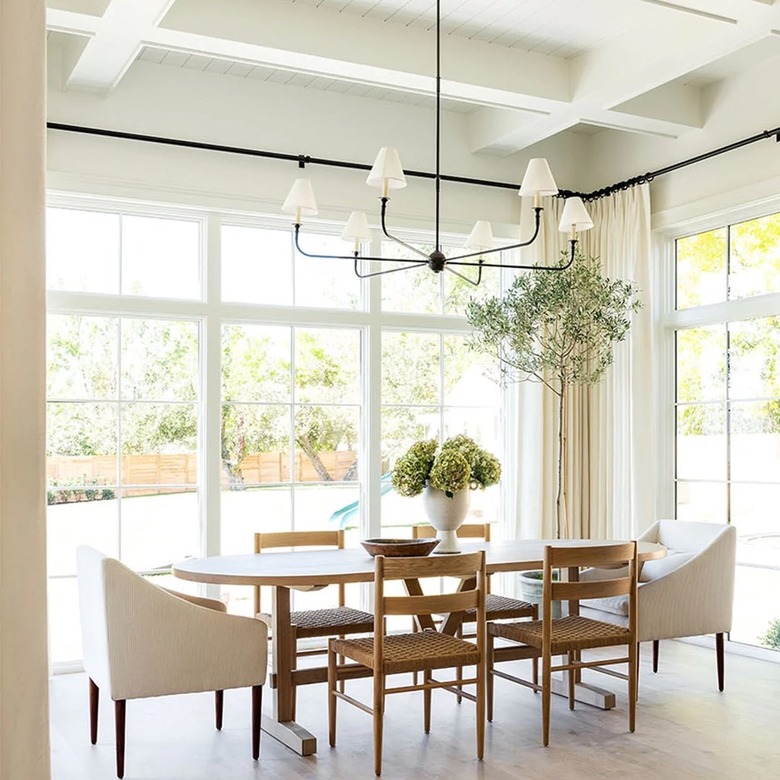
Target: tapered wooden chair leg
331,698
481,681
633,684
94,699
427,706
379,706
257,715
535,674
119,725
546,686
656,644
571,677
219,703
719,653
490,681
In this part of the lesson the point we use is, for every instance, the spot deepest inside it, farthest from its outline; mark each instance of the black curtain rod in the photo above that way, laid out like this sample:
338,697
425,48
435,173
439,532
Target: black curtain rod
304,160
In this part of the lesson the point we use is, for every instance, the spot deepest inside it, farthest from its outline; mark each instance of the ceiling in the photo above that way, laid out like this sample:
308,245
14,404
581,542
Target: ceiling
522,71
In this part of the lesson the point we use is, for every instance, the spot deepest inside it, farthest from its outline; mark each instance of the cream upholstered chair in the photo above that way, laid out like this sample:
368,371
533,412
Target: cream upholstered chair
141,641
690,592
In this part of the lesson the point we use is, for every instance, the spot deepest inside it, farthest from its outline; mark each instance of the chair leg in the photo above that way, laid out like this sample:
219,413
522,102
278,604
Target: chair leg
481,682
293,667
633,683
379,707
459,669
119,725
719,653
427,705
571,677
490,681
257,710
535,673
94,698
656,644
219,702
331,698
546,692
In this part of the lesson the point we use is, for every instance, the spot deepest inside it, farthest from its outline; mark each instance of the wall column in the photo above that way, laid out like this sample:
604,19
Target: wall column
24,717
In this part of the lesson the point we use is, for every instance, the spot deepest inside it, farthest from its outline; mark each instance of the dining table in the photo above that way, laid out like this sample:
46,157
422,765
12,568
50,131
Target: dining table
286,571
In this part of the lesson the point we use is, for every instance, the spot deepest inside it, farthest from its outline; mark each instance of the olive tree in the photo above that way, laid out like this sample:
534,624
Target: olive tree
558,328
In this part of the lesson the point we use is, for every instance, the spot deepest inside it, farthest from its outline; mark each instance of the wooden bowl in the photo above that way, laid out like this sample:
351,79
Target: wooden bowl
399,547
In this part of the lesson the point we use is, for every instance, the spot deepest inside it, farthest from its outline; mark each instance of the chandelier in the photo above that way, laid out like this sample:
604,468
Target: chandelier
388,174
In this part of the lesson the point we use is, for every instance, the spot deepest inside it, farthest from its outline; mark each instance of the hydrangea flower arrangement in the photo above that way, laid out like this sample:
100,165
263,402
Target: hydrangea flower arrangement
460,463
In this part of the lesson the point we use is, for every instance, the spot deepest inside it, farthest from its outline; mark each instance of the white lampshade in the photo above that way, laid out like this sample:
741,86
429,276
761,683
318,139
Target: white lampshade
300,200
575,216
356,227
387,171
538,179
481,236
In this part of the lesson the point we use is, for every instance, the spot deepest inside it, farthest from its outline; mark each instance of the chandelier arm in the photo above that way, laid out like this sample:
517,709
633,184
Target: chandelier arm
394,238
349,257
382,273
466,278
456,261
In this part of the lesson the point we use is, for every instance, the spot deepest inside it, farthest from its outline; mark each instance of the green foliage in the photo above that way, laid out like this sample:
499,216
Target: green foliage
460,463
88,490
772,636
558,323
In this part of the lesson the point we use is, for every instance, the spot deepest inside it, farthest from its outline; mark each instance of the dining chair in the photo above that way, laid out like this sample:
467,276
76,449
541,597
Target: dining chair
141,640
570,635
689,592
496,607
388,654
340,620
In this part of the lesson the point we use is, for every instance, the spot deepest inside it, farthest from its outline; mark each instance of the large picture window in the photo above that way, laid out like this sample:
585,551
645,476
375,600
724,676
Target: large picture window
728,401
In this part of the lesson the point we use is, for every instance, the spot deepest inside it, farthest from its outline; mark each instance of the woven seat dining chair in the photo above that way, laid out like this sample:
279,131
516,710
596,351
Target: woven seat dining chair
568,636
340,620
141,640
497,607
388,654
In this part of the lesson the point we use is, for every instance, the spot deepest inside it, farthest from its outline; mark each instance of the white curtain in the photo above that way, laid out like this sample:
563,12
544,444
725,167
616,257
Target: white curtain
610,492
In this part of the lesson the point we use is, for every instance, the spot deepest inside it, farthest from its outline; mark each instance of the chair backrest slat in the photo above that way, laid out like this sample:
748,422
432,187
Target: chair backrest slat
432,566
467,531
431,605
594,589
596,555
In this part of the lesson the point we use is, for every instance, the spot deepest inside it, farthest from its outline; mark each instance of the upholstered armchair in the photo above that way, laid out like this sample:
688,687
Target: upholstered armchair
141,640
690,592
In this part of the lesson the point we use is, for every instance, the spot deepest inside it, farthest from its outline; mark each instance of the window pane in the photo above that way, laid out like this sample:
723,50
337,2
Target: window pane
701,441
246,511
159,360
333,506
759,531
64,622
81,444
755,442
401,427
326,444
701,269
255,444
159,442
82,251
322,281
255,363
74,517
754,353
701,364
753,617
81,357
458,292
470,379
702,501
160,257
416,289
755,257
410,368
256,265
158,528
327,365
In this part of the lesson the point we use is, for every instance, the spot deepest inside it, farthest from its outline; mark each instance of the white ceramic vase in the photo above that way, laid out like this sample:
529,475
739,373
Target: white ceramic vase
446,515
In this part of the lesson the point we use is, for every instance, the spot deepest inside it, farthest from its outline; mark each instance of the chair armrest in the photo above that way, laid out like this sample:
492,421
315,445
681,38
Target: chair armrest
201,601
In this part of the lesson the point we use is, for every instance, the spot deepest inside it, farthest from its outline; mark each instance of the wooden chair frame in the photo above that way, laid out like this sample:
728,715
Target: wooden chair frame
466,567
553,638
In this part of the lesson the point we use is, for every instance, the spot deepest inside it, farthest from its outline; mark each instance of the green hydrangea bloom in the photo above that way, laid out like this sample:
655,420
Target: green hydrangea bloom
450,472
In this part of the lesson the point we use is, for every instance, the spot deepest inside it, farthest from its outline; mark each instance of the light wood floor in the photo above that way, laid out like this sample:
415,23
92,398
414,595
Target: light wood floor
685,729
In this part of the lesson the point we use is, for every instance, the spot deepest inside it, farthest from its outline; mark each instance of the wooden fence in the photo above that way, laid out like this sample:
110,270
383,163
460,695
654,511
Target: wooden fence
255,469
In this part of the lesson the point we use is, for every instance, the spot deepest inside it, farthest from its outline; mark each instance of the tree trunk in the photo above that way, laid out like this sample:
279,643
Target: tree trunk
561,525
314,457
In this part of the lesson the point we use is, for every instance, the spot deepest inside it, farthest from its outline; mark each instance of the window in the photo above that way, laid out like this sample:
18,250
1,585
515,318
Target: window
728,402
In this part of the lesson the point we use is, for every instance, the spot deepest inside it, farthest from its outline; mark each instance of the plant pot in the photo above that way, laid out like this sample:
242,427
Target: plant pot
446,515
531,590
